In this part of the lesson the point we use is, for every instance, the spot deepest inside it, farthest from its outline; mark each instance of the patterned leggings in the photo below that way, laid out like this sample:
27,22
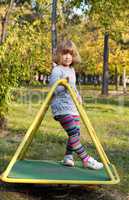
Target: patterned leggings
71,124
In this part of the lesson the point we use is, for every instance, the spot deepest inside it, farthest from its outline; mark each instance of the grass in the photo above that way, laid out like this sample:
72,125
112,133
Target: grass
109,117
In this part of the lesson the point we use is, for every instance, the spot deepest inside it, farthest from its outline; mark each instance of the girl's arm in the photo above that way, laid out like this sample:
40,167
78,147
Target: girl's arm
75,88
55,76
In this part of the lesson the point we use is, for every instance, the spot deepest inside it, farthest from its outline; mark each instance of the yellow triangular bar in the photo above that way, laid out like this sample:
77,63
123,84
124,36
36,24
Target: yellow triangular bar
23,146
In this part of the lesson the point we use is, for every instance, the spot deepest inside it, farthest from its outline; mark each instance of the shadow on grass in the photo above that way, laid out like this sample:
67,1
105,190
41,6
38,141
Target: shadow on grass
54,192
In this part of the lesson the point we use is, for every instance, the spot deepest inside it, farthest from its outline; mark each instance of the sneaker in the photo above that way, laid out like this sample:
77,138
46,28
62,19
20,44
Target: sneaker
92,163
68,161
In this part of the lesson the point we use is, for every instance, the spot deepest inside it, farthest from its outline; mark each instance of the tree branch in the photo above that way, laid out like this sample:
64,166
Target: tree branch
4,22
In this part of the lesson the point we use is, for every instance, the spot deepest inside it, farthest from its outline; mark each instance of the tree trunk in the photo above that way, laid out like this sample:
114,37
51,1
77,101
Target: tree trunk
54,29
124,80
61,25
117,79
105,65
4,23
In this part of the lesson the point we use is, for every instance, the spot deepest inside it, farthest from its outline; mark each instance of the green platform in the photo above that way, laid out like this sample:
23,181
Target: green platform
50,170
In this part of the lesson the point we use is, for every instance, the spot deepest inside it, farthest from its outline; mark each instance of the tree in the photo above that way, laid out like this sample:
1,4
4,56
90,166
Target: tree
105,13
25,52
5,21
54,29
105,65
4,86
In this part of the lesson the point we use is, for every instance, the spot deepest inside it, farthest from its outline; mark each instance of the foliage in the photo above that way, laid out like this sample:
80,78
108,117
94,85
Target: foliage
25,52
100,16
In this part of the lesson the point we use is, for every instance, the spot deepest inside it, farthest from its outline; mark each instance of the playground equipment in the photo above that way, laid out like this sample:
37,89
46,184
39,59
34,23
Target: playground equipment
20,170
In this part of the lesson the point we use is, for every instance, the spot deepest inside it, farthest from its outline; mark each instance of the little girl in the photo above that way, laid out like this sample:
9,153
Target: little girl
63,107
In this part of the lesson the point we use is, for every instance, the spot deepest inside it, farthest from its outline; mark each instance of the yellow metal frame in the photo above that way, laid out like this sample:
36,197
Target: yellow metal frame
19,154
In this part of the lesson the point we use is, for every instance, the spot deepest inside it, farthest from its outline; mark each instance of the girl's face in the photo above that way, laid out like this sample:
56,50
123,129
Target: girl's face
66,59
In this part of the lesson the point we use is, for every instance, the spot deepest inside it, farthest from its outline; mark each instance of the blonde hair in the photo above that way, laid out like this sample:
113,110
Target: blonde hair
64,47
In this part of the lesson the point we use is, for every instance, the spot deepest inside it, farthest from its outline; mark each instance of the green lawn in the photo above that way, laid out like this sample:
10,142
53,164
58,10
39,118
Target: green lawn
109,117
